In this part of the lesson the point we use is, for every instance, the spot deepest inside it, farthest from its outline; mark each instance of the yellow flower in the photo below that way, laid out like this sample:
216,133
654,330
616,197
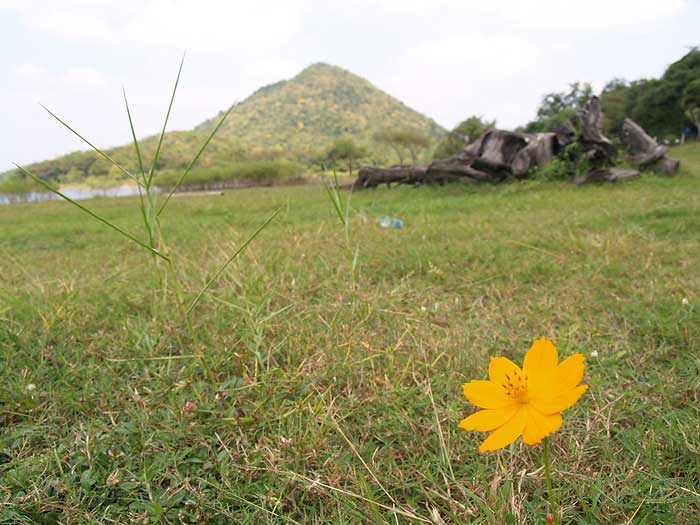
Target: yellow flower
525,402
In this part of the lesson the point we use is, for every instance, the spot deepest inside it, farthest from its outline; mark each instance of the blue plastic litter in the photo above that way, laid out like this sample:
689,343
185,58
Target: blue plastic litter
390,222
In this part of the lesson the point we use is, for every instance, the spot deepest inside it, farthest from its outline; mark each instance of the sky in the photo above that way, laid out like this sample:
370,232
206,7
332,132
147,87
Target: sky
446,59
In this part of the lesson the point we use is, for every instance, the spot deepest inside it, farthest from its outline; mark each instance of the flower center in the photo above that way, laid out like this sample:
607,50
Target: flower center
515,386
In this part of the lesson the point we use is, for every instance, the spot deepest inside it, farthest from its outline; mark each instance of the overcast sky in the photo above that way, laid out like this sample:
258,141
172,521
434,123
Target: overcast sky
446,59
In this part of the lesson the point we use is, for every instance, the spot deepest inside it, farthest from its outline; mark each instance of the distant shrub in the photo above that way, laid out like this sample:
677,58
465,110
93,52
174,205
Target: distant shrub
569,163
251,171
16,183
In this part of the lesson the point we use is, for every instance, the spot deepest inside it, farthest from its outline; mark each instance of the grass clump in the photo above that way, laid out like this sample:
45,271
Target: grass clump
169,285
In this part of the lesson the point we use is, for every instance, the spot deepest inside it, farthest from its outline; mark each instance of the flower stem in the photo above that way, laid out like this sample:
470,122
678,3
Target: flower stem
548,477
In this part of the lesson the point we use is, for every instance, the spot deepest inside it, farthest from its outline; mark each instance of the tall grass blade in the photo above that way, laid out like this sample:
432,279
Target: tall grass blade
91,213
133,135
162,133
147,224
196,157
98,150
230,259
347,208
334,195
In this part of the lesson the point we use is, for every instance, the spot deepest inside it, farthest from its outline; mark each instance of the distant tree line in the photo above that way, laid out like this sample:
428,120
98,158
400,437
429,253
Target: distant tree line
664,107
346,153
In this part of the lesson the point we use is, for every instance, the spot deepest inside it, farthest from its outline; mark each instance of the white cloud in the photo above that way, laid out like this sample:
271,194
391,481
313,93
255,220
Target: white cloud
593,15
37,79
69,20
85,78
484,52
213,25
28,71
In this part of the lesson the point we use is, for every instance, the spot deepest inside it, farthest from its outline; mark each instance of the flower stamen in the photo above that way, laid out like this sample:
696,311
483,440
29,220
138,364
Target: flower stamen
516,387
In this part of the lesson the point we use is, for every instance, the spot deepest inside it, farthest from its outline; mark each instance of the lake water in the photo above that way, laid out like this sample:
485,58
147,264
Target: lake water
128,191
76,194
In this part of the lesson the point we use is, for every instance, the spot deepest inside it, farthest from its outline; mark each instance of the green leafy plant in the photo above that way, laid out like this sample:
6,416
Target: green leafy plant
151,207
569,163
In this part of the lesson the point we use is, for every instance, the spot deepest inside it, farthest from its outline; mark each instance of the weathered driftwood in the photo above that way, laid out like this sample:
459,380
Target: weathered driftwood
442,171
644,152
666,166
539,151
439,172
566,134
597,146
498,155
497,151
607,175
493,157
370,177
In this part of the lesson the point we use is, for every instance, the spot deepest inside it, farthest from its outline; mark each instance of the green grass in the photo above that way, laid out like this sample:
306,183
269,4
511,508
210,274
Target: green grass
339,392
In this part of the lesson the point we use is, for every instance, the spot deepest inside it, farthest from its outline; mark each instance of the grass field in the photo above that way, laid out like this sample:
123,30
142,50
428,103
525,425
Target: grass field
339,380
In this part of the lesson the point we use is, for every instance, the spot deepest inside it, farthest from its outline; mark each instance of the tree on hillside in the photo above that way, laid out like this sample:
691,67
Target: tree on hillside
401,140
557,108
613,100
386,137
346,150
658,108
656,104
414,142
690,103
554,103
465,132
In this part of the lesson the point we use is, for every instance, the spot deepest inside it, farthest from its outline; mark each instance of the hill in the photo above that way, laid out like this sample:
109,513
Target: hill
292,119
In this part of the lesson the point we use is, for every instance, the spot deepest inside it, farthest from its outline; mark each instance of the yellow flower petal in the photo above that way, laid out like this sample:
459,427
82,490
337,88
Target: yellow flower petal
562,401
570,372
541,360
486,420
506,434
499,367
538,425
486,394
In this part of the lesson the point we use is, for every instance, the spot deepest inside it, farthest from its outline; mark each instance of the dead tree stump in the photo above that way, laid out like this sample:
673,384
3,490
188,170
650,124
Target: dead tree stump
644,152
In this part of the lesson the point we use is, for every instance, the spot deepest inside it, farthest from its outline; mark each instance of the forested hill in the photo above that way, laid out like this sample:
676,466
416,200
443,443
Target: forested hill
292,121
299,116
